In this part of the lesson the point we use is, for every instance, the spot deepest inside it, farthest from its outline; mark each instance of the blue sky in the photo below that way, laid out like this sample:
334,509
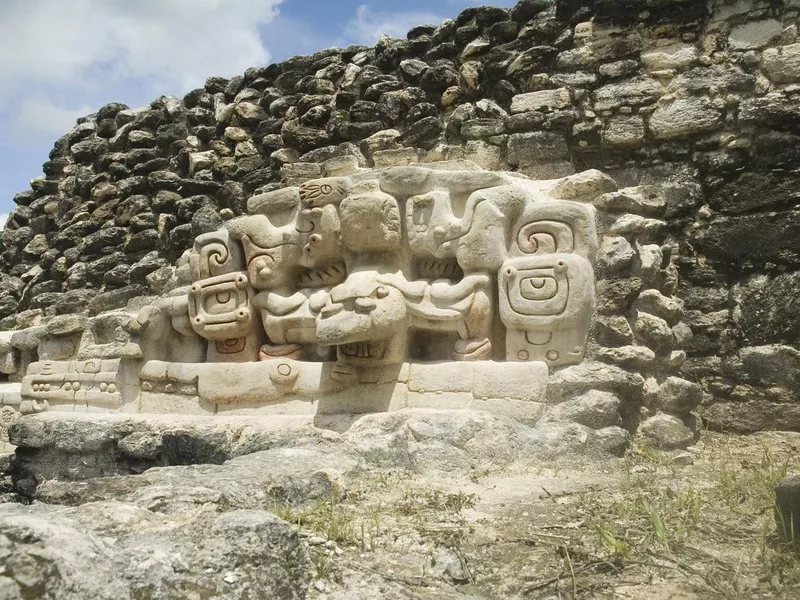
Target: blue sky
61,59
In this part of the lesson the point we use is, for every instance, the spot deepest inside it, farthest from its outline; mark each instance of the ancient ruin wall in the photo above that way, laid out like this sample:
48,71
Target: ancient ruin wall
693,103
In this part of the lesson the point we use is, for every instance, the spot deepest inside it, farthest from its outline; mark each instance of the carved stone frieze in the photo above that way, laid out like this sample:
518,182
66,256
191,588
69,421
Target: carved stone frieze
362,292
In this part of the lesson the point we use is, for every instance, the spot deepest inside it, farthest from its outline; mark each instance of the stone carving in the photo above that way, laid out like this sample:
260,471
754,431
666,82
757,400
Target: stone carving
343,290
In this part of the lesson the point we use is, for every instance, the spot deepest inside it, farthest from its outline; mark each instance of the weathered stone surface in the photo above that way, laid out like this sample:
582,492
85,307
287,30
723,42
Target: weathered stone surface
624,130
587,376
689,116
615,254
544,100
787,508
98,551
748,417
539,147
665,432
634,92
593,409
676,396
782,64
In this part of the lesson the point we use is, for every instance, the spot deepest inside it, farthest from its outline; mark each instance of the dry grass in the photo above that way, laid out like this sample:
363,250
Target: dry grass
649,527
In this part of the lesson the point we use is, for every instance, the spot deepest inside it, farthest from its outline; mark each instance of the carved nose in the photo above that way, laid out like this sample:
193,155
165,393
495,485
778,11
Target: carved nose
331,310
365,305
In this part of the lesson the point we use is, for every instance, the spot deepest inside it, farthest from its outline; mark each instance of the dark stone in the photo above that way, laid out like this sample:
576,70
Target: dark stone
157,164
109,237
73,301
424,133
363,111
97,268
142,221
445,50
376,90
420,30
769,312
179,239
191,187
109,111
421,111
257,178
143,240
73,234
206,219
303,138
149,264
25,197
525,10
88,150
615,296
439,77
231,195
216,85
749,417
787,508
761,237
308,102
170,132
115,299
133,185
754,190
503,31
117,277
772,110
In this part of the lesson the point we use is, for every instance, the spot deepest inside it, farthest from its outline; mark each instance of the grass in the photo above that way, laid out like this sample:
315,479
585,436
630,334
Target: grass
703,530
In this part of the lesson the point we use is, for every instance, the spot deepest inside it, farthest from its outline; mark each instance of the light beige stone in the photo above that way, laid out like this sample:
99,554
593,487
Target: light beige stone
543,100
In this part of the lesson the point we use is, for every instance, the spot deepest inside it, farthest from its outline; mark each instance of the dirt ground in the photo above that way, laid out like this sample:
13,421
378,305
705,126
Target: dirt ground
652,525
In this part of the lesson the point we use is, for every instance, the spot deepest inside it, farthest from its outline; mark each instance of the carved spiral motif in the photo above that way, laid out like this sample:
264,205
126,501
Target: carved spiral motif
214,256
545,237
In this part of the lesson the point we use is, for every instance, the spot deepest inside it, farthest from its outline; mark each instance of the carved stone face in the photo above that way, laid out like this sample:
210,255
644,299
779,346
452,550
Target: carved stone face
220,307
362,309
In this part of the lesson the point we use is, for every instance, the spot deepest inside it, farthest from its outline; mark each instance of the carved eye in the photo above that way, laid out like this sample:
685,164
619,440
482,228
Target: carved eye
381,293
325,189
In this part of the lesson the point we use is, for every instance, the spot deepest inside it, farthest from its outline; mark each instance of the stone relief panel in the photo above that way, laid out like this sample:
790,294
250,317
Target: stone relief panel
358,292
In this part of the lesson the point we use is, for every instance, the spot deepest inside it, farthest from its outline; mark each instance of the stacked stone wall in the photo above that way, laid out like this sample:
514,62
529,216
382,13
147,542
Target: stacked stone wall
696,104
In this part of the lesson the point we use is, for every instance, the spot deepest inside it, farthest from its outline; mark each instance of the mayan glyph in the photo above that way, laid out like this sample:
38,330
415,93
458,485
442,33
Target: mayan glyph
368,291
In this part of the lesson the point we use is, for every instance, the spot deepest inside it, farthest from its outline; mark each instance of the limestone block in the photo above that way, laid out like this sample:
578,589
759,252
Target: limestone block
639,91
582,186
543,100
782,64
624,130
685,116
676,396
675,56
536,147
514,380
615,254
593,409
655,303
665,432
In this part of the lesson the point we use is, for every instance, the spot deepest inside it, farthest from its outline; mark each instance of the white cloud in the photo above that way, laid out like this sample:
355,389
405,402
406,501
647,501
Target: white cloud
3,219
367,26
171,44
42,118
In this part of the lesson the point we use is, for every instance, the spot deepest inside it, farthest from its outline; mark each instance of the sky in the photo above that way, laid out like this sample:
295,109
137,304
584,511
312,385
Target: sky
63,59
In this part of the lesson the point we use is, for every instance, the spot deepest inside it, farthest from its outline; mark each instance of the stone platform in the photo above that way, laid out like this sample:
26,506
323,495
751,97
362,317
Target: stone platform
292,387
